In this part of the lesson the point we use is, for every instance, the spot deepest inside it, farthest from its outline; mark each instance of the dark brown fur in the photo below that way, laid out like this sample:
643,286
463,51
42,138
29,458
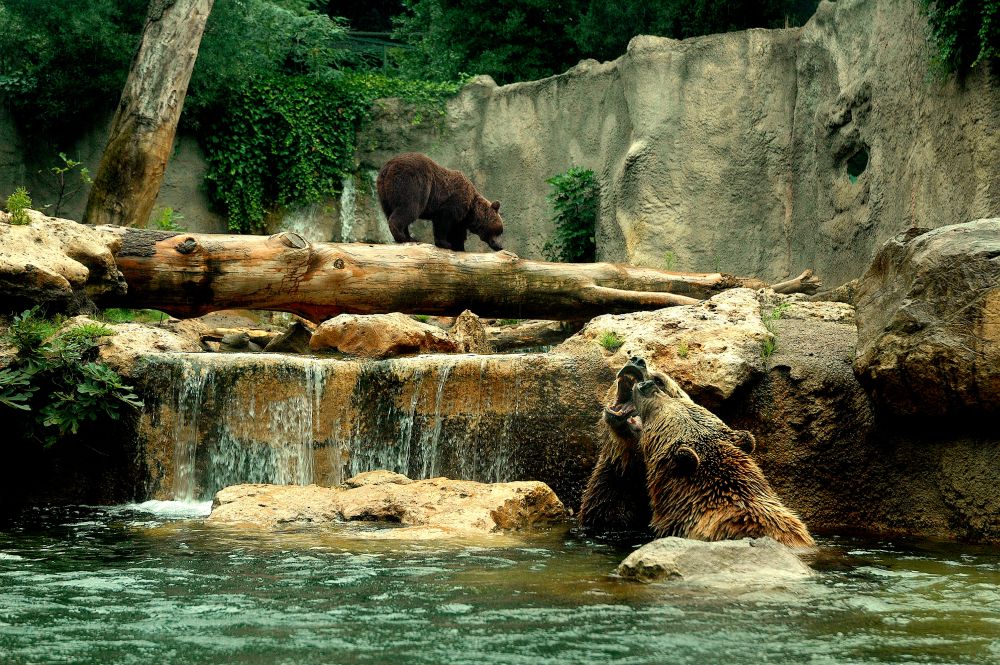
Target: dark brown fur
412,186
701,484
615,498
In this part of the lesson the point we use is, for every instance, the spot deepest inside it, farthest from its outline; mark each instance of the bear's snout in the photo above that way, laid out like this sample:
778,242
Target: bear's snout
645,389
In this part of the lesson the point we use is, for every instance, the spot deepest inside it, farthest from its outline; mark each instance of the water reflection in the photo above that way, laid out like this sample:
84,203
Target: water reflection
152,583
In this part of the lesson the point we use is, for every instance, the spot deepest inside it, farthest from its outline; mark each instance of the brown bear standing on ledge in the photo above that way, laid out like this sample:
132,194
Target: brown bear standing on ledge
412,186
701,484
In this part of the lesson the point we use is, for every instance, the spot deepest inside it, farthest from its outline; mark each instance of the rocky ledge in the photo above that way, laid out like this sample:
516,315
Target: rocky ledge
435,508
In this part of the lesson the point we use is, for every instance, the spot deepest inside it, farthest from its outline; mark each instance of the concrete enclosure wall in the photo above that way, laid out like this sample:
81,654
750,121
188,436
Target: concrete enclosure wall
758,153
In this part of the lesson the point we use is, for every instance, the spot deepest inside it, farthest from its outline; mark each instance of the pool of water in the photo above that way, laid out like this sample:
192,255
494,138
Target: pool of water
154,584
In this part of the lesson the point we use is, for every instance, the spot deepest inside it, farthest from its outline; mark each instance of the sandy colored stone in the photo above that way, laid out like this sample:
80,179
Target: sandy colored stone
711,349
61,263
379,477
380,336
929,321
447,506
469,334
726,563
134,341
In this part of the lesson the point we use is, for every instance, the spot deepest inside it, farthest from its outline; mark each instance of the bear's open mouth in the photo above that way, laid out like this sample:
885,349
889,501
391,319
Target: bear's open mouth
623,413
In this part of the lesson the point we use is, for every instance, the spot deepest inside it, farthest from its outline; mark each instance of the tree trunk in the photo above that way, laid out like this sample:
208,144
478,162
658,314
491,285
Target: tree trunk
142,132
192,274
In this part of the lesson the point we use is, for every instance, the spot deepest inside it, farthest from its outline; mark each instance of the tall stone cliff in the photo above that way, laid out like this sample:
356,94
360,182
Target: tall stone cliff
760,152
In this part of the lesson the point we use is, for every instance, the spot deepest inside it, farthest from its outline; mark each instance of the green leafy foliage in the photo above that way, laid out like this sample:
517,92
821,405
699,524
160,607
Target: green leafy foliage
118,315
63,62
610,341
510,40
682,349
56,379
168,219
965,33
575,198
516,40
290,140
17,204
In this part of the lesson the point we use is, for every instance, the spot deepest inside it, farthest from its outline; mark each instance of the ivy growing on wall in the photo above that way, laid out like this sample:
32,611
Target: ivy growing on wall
965,33
290,140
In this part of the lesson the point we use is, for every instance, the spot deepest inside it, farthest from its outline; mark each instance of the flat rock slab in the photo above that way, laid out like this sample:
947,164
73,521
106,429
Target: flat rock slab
433,508
726,563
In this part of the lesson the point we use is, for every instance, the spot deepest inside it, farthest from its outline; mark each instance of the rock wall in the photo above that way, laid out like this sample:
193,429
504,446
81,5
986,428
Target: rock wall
760,152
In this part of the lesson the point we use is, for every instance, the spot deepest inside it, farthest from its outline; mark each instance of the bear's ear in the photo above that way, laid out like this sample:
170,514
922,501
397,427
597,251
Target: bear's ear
744,441
687,460
495,205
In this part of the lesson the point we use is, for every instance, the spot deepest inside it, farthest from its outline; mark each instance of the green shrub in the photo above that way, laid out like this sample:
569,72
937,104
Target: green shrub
768,347
57,380
168,220
17,204
610,341
682,349
66,189
575,199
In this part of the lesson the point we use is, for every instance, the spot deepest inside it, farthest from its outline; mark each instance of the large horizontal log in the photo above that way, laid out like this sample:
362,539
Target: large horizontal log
189,274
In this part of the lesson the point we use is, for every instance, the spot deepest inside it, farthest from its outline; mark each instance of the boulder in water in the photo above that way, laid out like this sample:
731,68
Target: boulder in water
446,507
725,563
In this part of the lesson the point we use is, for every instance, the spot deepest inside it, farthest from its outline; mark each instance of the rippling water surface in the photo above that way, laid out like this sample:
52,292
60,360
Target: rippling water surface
153,584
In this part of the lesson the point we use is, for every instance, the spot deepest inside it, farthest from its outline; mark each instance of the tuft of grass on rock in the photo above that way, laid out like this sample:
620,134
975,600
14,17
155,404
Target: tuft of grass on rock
610,341
17,205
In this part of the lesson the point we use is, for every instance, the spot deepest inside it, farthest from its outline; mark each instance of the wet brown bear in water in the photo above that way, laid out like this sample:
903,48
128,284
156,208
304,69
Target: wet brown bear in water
412,186
700,484
616,498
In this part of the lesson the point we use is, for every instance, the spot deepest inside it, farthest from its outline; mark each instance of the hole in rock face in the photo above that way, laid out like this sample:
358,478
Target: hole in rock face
857,163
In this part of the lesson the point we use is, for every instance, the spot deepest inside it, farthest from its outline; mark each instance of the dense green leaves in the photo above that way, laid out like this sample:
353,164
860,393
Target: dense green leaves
54,383
575,199
965,32
516,40
290,140
63,61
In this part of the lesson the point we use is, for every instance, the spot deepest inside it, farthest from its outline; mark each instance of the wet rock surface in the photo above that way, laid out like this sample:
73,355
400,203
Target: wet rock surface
929,322
380,336
448,507
727,563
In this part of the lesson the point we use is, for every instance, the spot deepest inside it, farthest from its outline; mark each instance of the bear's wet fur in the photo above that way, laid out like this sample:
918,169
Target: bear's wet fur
701,483
412,186
615,499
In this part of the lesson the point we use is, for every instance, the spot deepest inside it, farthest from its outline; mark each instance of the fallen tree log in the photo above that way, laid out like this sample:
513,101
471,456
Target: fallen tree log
190,274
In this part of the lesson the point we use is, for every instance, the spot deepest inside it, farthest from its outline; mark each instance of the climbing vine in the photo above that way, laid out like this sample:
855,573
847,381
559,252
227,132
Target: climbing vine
290,140
965,33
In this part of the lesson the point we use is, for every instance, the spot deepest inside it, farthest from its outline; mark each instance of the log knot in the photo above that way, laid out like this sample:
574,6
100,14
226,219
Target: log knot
187,246
292,239
339,264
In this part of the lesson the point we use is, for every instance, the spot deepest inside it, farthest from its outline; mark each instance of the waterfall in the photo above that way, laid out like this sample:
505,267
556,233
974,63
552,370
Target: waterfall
270,418
348,208
248,437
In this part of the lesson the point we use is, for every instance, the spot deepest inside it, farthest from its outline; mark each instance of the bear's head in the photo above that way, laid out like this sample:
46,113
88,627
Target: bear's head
660,392
485,222
620,414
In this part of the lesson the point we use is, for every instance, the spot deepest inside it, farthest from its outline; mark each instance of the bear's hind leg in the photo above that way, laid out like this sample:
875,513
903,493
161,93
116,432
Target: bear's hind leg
399,224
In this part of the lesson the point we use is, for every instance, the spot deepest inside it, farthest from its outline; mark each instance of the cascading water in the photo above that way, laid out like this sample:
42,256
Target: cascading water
348,208
240,418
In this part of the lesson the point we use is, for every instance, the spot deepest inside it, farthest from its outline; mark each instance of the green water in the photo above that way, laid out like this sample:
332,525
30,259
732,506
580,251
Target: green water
126,585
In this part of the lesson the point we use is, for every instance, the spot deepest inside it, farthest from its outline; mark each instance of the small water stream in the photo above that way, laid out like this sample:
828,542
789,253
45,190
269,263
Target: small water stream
154,584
